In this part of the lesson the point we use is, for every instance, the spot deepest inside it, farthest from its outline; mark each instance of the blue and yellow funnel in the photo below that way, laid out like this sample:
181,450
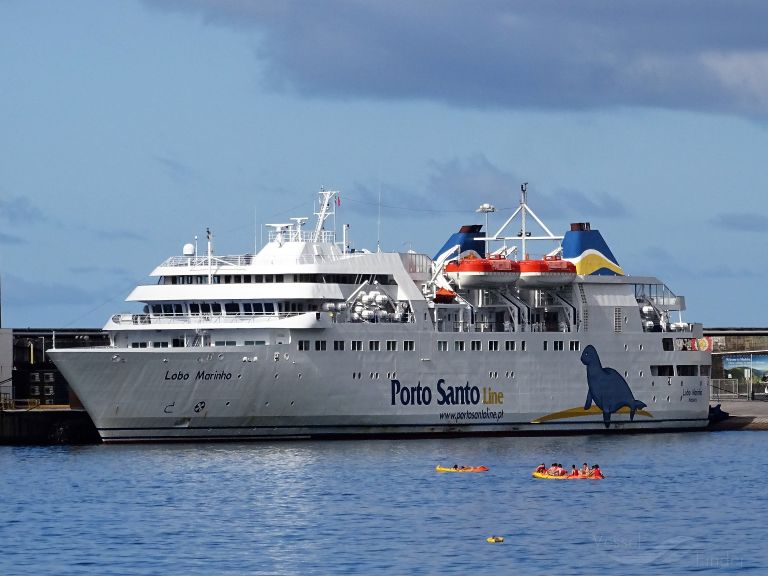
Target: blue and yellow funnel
589,252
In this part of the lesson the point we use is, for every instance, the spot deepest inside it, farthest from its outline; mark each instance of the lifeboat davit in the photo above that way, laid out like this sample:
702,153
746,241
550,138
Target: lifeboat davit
551,271
483,272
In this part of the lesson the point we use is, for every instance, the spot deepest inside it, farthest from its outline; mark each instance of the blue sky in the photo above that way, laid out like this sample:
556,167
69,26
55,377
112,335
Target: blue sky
128,127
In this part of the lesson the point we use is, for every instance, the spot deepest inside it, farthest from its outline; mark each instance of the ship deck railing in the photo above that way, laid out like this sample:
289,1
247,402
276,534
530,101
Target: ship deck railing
467,327
147,319
144,319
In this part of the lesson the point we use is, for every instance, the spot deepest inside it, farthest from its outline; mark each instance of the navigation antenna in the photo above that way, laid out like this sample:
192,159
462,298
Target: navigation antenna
326,209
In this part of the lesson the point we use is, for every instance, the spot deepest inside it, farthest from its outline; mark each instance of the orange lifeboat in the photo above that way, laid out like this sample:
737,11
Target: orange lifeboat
443,296
483,272
551,271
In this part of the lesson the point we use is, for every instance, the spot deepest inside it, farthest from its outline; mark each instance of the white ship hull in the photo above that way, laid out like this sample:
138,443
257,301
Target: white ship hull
238,393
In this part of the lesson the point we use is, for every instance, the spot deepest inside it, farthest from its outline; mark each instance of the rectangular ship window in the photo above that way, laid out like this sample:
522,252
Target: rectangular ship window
392,345
575,345
442,345
409,345
509,345
493,345
476,345
357,345
522,346
48,377
319,345
34,390
662,370
558,345
687,369
373,345
458,345
704,369
338,344
546,345
303,345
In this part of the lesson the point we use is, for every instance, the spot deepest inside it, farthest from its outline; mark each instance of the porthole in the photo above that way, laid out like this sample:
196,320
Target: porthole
668,400
239,376
654,399
292,402
277,376
227,404
371,376
681,382
640,373
266,403
640,347
653,383
626,347
221,356
626,374
299,375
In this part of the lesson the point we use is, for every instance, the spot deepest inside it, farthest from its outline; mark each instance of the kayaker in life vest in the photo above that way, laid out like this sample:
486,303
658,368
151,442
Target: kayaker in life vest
596,473
574,472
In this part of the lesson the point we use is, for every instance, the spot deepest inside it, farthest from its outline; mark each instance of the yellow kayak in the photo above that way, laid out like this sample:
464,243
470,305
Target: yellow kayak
550,477
462,469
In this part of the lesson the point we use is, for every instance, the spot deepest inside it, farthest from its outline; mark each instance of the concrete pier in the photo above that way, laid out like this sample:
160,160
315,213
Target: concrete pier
47,425
744,415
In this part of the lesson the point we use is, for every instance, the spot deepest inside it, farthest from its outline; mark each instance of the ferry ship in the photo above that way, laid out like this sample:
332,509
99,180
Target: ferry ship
309,338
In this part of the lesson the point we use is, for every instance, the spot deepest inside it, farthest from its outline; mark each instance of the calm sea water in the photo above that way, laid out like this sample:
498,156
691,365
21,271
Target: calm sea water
672,504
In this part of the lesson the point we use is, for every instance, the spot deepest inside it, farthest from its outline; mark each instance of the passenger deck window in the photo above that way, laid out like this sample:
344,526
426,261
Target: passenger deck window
687,370
662,370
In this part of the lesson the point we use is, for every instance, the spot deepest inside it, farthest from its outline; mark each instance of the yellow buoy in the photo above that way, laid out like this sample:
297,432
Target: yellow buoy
495,539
